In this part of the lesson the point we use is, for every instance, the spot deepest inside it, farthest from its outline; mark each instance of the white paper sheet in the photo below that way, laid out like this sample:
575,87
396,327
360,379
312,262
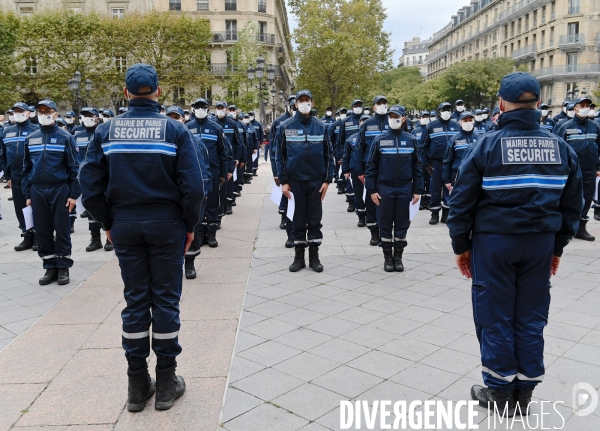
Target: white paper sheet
364,193
79,205
276,194
235,174
340,173
291,207
413,209
28,214
597,185
254,156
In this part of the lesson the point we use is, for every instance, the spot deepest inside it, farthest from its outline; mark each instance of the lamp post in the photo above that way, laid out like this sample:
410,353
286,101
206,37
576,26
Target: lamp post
258,73
74,85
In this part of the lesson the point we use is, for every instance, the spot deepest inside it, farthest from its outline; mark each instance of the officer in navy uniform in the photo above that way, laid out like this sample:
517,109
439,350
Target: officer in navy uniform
394,180
108,115
50,186
562,115
328,118
239,183
260,136
459,108
457,147
142,181
424,118
515,206
546,122
478,126
122,110
70,119
583,135
232,133
12,150
305,166
252,146
338,145
33,115
570,115
486,117
212,137
351,167
348,127
435,140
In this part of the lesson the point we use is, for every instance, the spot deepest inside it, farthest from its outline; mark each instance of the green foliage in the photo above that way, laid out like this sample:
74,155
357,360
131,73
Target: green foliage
9,28
341,48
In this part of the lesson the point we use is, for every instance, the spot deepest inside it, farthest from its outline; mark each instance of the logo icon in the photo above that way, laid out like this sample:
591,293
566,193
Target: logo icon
584,399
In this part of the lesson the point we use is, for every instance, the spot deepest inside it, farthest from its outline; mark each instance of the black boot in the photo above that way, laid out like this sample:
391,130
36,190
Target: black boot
169,387
228,209
95,242
597,213
583,233
50,276
388,261
341,191
298,263
422,203
63,276
361,220
211,239
202,239
445,212
72,230
141,387
374,237
487,398
190,270
290,242
398,265
108,246
35,244
26,244
313,259
522,397
435,217
283,223
427,202
350,208
84,214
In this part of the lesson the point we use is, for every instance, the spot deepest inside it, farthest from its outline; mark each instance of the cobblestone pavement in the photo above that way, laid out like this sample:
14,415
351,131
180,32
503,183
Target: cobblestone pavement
22,299
354,332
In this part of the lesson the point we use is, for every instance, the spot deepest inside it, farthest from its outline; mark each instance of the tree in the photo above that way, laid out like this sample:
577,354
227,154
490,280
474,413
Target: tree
397,85
9,28
341,48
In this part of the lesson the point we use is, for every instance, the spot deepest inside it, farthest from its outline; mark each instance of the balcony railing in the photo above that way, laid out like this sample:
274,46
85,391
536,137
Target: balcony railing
574,10
266,38
527,52
222,69
567,69
232,37
571,41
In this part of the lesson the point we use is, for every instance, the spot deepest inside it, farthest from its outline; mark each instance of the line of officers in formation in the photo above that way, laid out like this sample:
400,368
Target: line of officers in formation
397,161
40,148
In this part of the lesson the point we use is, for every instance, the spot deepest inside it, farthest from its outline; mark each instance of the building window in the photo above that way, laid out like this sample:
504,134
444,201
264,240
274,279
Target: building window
118,13
573,28
572,61
569,90
574,6
230,4
262,6
202,5
121,63
174,4
231,29
26,10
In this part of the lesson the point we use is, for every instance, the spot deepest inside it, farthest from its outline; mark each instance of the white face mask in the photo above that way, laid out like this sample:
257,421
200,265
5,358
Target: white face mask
304,107
21,117
11,118
445,115
221,113
89,122
357,110
485,116
592,113
233,114
395,123
367,111
70,120
201,113
583,112
545,112
252,118
424,121
246,120
460,108
187,117
381,109
564,109
570,114
478,118
32,115
342,117
328,113
467,126
46,120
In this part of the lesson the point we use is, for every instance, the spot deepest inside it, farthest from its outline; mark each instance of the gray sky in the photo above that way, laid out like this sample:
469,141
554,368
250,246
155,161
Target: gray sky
409,18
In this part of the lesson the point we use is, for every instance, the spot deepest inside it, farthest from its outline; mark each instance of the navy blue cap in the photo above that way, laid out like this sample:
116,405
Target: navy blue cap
251,113
459,101
433,114
425,113
61,121
544,105
123,109
70,114
292,97
397,109
90,110
486,110
141,75
496,111
565,103
244,115
175,110
48,103
101,110
109,113
10,111
343,109
220,104
21,105
465,115
513,85
378,99
232,107
570,106
478,112
444,105
186,111
201,102
582,99
292,101
32,108
301,93
364,117
355,101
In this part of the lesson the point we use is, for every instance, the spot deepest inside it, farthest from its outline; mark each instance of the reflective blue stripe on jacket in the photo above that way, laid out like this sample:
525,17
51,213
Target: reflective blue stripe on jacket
12,147
273,138
82,139
436,138
232,133
351,162
584,137
370,129
348,127
547,124
212,136
512,196
454,154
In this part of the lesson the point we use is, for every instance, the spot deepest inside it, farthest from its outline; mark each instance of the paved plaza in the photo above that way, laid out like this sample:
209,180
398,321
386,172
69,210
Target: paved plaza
269,350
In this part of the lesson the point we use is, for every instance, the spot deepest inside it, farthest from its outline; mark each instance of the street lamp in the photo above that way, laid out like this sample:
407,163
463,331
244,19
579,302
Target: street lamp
258,73
74,84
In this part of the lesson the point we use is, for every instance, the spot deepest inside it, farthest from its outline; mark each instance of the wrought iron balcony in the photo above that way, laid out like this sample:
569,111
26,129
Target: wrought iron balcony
526,53
571,41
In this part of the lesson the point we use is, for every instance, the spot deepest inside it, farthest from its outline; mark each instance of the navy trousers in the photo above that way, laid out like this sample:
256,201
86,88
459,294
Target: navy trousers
211,215
151,257
358,188
199,231
349,191
589,189
439,192
52,225
308,212
393,215
289,225
19,202
371,209
511,297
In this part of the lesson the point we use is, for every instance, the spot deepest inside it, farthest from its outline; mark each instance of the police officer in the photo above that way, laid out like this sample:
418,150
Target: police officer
70,120
424,120
260,136
348,127
486,117
151,221
546,122
252,146
338,145
459,108
108,115
236,141
583,135
63,125
212,136
562,115
50,186
478,125
457,147
122,110
570,115
370,129
493,124
328,118
241,168
351,167
12,150
33,115
305,168
394,181
435,141
508,237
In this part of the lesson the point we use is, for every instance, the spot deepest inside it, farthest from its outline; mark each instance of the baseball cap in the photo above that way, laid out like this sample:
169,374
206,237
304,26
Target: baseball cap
301,93
21,105
582,99
141,75
378,99
48,103
397,109
90,110
70,114
513,85
465,115
459,101
220,104
175,110
109,113
200,102
444,105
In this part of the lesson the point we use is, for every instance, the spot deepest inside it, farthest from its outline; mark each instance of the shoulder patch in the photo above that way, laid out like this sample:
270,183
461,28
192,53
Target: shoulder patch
528,150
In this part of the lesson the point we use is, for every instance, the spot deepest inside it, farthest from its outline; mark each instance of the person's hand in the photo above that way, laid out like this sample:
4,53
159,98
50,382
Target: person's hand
276,181
323,190
463,262
449,187
375,197
361,178
229,176
108,236
28,203
242,165
285,189
9,184
347,176
430,169
221,181
71,203
554,265
415,198
189,237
